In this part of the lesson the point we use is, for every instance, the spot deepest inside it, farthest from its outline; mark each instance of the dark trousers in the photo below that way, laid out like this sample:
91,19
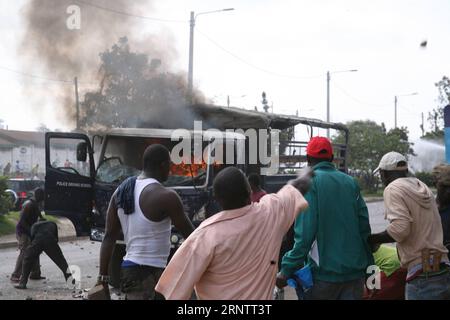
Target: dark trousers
139,282
24,242
32,253
323,290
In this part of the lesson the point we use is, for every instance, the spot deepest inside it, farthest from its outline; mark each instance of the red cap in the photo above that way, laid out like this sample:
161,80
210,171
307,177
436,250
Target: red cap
319,147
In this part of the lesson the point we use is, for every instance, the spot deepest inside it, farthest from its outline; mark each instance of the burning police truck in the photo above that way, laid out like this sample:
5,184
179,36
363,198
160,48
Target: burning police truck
83,170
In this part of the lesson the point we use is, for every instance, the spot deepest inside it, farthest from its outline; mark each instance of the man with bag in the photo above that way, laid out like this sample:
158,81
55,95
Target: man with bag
331,236
415,224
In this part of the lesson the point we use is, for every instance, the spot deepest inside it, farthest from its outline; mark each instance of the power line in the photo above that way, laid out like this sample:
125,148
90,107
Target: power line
128,14
35,76
29,75
254,66
358,100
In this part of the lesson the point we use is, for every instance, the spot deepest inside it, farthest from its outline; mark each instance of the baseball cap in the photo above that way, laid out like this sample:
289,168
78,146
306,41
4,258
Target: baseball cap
319,147
390,161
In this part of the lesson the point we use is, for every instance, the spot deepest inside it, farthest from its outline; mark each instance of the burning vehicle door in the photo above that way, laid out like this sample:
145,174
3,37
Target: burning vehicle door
68,180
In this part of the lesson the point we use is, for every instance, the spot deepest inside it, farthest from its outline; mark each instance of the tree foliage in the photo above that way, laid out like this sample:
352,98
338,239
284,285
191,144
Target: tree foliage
133,91
5,199
436,116
368,142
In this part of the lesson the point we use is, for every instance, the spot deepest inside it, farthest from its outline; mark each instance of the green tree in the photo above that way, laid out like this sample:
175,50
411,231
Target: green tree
436,116
133,92
5,199
368,142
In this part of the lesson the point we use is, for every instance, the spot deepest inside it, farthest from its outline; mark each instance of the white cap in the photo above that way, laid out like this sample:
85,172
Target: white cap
390,161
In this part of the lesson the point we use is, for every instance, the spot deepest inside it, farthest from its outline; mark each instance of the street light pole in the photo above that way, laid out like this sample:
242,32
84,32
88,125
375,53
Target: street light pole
328,102
328,94
191,48
191,55
395,110
396,102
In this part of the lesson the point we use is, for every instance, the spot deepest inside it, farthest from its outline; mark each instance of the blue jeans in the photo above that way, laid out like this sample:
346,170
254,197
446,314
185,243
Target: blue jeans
432,288
323,290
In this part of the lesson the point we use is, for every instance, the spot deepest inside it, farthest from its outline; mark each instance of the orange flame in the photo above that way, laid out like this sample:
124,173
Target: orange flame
188,170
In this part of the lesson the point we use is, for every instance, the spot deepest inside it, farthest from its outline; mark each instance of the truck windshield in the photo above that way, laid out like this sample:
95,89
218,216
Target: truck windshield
123,158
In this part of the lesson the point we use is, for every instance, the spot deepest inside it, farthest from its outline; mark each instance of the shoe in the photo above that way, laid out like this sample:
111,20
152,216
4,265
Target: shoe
38,278
67,276
14,279
20,286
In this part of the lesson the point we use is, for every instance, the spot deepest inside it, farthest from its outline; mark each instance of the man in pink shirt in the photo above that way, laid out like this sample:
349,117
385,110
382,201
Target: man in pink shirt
234,254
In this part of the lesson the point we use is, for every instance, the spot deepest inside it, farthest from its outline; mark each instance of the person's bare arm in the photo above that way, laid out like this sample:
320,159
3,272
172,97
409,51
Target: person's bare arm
112,233
173,207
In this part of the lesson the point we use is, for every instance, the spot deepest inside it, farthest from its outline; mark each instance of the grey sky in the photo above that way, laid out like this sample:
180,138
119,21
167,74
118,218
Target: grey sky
291,40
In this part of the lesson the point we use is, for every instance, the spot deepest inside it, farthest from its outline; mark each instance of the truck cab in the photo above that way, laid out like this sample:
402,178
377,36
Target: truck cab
83,171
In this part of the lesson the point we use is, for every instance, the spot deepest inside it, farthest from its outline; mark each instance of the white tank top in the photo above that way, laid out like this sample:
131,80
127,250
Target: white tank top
147,242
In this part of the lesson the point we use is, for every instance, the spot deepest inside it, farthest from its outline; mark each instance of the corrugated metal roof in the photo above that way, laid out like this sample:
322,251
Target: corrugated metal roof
13,137
231,117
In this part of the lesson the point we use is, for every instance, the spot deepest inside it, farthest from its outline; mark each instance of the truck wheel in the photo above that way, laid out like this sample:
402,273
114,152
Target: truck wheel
115,265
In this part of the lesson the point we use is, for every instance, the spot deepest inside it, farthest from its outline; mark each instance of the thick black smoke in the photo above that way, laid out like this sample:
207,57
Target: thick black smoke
51,48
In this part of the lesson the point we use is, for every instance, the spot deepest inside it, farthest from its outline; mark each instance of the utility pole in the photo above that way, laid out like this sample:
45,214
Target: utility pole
264,102
77,103
422,126
328,94
191,49
191,56
395,105
435,121
395,111
328,102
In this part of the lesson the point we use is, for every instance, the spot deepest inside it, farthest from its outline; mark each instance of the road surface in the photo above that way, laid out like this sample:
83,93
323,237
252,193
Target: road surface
84,255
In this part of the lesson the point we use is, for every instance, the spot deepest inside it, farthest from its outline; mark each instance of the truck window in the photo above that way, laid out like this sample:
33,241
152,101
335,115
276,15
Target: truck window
122,158
63,156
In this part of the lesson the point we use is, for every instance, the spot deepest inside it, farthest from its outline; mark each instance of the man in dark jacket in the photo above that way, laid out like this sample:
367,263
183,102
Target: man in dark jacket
30,213
442,179
44,238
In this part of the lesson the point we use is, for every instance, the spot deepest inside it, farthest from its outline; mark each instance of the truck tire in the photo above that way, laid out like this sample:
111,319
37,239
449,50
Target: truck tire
115,265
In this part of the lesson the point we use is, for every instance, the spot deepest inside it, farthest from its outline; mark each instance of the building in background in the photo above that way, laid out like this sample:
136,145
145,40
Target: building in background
24,151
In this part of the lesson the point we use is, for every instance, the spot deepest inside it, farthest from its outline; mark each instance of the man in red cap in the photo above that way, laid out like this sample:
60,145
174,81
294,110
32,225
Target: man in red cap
331,236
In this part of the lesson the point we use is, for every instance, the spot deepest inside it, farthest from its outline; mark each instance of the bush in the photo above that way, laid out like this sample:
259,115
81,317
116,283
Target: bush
427,178
367,182
5,199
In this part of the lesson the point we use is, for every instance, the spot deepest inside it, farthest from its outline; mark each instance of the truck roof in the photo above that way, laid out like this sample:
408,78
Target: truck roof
232,117
168,133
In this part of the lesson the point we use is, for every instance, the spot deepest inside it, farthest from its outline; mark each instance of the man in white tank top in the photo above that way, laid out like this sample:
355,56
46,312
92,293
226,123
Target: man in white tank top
144,211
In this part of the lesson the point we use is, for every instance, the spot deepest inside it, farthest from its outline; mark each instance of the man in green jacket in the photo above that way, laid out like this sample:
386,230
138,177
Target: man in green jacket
331,236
